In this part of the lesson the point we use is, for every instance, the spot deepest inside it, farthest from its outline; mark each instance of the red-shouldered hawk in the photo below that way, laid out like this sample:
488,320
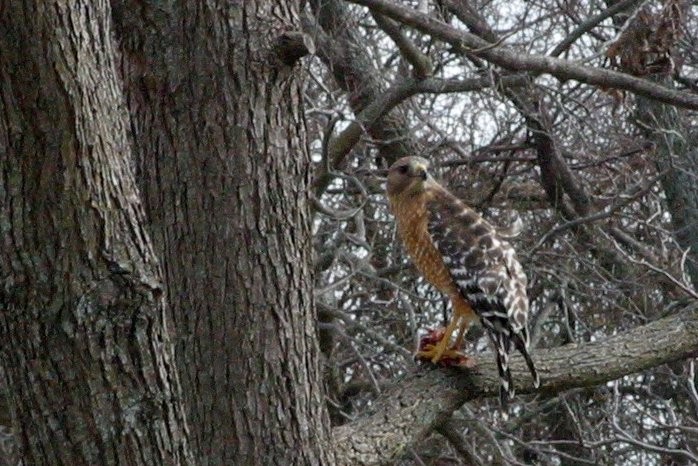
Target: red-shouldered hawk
462,255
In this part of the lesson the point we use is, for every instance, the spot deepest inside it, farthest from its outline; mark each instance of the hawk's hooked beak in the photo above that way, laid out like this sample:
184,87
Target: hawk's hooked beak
420,170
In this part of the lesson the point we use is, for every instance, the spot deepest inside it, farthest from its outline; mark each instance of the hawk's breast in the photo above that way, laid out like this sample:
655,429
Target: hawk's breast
412,220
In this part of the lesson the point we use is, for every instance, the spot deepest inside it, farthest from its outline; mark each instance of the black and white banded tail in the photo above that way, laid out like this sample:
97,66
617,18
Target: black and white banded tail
503,337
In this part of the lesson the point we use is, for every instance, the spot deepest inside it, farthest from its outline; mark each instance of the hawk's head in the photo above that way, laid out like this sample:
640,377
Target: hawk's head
407,176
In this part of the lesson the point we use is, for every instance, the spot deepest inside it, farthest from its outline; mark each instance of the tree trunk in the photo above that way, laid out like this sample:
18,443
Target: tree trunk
216,111
88,361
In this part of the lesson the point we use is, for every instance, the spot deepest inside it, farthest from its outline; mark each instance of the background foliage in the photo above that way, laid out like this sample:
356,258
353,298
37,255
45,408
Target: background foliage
585,171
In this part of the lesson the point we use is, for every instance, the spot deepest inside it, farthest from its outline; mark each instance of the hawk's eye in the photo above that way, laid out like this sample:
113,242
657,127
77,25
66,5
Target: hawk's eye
402,169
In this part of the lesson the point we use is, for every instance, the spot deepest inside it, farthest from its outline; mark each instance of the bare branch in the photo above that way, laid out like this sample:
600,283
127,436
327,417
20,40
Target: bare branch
340,146
420,62
634,193
465,42
449,429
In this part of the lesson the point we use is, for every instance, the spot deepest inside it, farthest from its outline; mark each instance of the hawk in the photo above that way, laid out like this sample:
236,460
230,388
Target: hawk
462,255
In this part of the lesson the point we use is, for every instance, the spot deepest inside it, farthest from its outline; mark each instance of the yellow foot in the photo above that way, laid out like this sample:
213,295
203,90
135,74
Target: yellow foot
431,348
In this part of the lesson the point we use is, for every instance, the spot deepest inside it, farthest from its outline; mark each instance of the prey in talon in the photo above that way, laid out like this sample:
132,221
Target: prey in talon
451,357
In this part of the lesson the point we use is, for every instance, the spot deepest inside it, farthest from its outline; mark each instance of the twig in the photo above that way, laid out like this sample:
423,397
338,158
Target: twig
607,212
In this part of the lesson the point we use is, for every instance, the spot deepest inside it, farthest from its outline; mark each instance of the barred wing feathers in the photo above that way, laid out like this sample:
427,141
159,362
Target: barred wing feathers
485,270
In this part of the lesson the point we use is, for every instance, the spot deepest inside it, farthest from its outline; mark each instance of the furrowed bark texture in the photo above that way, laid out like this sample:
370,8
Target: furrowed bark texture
219,132
408,411
88,362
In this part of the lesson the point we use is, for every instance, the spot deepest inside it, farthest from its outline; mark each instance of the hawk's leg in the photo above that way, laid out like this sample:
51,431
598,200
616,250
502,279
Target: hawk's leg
466,315
464,325
436,347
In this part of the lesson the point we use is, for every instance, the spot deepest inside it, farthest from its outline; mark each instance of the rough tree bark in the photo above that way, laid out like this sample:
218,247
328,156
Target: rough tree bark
84,346
215,108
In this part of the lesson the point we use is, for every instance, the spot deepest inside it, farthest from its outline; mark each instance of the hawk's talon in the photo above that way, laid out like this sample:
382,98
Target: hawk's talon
432,348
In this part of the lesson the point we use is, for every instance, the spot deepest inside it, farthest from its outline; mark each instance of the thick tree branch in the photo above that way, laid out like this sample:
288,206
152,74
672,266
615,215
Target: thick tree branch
449,429
466,42
556,175
408,411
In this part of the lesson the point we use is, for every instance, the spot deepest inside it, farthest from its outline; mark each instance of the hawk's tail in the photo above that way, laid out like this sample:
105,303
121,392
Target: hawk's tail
502,344
521,343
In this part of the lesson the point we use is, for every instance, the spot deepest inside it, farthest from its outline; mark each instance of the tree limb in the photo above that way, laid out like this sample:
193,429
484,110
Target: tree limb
423,400
466,42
